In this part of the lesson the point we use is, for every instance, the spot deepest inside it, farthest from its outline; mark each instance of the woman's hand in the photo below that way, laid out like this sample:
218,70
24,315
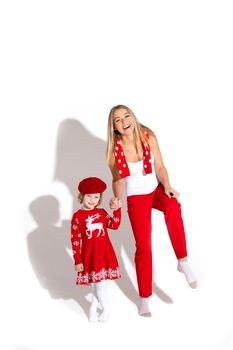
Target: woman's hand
170,192
115,203
79,267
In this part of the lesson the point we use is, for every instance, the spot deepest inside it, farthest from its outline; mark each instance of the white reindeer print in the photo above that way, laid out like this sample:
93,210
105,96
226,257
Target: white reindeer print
91,227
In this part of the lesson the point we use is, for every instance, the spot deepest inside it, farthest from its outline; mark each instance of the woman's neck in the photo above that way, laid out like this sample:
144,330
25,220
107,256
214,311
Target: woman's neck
127,141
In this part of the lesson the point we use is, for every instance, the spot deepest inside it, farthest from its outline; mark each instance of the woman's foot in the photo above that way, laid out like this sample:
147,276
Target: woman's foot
184,267
144,307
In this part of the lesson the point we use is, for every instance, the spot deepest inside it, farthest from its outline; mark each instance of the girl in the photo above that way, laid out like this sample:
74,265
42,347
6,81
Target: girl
134,157
94,257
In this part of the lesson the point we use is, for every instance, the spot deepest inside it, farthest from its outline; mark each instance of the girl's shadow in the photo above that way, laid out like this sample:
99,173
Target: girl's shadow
48,251
79,154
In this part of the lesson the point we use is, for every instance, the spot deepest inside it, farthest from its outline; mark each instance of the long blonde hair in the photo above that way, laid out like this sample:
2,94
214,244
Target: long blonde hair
139,136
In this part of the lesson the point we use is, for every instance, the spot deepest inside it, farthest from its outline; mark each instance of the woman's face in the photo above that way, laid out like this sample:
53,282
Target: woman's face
123,122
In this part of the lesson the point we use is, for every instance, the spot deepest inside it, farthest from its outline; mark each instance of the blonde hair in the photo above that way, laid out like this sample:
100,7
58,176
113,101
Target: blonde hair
139,136
81,196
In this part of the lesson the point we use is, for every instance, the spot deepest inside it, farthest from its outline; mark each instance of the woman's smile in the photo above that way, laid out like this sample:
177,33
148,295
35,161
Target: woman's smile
127,126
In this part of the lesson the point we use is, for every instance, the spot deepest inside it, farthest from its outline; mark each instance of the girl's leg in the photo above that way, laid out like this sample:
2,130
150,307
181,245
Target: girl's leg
173,218
102,296
93,316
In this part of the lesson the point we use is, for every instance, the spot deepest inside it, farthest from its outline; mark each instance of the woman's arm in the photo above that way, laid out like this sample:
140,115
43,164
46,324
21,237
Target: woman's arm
160,169
117,182
117,187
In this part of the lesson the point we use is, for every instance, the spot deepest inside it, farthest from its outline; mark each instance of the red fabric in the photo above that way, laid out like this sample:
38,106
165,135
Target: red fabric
92,185
121,161
92,246
139,210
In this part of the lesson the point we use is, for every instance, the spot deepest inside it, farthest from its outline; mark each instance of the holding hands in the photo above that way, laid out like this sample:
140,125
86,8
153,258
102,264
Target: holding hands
115,203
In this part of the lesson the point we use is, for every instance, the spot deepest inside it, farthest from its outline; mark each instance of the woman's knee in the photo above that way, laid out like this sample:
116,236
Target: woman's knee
143,247
173,205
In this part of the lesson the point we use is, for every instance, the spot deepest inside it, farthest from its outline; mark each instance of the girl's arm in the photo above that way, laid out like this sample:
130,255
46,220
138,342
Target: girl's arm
113,222
76,240
160,169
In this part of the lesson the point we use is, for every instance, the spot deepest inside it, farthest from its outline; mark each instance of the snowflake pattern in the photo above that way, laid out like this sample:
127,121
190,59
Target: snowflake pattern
75,227
94,276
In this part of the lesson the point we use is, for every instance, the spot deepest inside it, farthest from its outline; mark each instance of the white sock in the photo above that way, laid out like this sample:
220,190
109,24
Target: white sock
93,315
102,295
144,307
184,267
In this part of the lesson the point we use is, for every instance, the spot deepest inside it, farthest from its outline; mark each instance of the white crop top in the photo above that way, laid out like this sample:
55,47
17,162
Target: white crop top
139,182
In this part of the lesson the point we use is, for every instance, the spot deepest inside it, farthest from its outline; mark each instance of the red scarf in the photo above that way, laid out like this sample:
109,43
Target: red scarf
121,162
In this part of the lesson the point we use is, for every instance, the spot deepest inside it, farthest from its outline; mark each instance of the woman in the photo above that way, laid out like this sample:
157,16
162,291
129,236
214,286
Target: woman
134,157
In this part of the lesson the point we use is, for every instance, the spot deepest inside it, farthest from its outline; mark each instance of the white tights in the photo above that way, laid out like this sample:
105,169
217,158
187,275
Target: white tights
99,296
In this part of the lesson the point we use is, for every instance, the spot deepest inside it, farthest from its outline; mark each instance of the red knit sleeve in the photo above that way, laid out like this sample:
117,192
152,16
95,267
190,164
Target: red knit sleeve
76,239
113,222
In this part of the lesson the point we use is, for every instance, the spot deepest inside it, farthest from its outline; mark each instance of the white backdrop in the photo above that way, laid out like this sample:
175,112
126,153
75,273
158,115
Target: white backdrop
63,65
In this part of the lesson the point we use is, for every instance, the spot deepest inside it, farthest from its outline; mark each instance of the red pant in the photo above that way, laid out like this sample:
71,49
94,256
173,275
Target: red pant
139,211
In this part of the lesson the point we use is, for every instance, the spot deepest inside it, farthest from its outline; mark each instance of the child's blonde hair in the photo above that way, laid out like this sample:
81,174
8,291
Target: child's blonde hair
139,135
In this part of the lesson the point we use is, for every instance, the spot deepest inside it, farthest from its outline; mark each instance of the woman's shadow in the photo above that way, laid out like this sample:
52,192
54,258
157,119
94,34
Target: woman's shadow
79,154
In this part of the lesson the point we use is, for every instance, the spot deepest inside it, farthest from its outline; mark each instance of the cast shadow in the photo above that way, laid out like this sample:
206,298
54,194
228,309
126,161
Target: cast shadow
79,154
48,252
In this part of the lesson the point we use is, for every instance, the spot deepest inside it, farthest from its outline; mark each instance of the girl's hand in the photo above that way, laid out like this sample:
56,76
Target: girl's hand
170,192
79,267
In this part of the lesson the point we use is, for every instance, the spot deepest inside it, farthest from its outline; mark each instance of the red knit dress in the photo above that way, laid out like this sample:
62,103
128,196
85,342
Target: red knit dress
92,246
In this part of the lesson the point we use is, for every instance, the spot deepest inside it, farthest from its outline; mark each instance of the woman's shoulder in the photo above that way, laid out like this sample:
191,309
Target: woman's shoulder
147,131
114,170
149,134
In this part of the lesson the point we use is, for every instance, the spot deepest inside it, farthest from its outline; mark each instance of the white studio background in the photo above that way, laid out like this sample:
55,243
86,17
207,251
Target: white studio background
63,65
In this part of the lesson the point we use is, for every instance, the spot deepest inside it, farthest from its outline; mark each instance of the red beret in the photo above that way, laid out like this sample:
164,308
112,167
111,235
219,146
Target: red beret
91,185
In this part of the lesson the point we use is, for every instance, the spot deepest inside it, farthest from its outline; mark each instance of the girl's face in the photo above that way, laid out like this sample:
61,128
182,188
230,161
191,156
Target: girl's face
123,122
90,201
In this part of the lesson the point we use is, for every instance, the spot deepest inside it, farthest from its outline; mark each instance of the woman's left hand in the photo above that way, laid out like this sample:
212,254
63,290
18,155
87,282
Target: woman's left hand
170,192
